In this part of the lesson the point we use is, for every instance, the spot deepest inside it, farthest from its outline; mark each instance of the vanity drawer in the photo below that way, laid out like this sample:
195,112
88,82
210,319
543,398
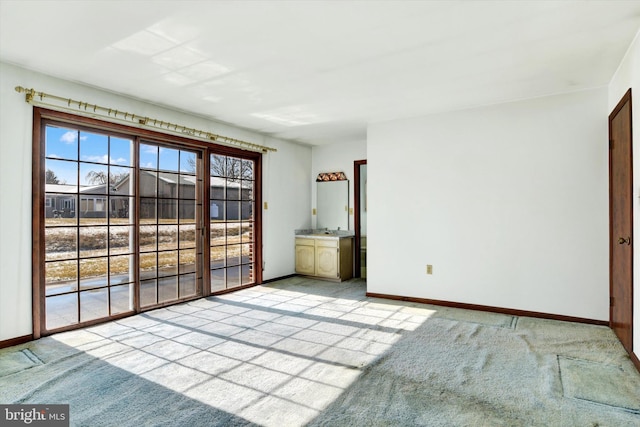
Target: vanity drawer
305,242
327,243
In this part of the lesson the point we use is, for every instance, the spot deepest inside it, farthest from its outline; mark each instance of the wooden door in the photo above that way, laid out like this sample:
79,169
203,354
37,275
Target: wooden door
621,222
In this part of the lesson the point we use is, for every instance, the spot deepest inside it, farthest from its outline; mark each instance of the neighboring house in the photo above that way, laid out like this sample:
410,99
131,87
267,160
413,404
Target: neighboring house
61,201
173,189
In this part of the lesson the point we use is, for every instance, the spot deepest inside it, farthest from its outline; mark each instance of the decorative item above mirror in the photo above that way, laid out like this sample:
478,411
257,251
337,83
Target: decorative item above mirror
331,176
332,201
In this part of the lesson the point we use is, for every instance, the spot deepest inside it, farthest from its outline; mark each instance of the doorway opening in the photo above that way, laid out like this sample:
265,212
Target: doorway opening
360,217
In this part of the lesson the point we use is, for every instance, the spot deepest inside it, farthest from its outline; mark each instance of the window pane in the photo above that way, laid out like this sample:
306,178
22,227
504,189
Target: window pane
218,234
148,238
147,265
187,187
234,232
61,176
148,211
167,211
148,293
61,311
60,243
247,169
167,263
233,190
61,143
94,304
187,162
120,151
60,277
121,269
121,210
168,185
167,237
247,274
247,232
217,188
218,165
187,261
234,168
187,284
233,277
187,210
233,211
148,183
93,241
167,289
168,159
93,178
247,253
93,273
62,209
121,180
121,240
247,190
94,147
217,210
247,210
234,253
121,299
188,236
218,280
218,256
148,156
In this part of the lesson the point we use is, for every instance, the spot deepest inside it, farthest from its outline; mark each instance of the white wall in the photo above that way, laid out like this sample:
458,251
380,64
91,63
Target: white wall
286,178
336,158
509,203
628,76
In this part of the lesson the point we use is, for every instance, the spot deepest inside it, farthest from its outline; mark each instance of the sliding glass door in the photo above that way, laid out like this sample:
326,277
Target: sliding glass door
121,224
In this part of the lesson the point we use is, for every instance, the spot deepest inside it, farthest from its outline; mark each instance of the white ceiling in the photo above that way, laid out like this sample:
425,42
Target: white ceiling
317,72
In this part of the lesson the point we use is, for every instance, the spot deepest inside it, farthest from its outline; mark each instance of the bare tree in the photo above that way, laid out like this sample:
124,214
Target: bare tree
50,177
100,177
229,167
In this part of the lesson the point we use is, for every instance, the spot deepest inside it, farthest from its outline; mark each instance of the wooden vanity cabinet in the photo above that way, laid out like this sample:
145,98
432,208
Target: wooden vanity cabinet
328,258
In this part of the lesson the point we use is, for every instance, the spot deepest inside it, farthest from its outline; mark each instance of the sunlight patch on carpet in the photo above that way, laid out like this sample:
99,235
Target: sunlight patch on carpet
599,383
16,361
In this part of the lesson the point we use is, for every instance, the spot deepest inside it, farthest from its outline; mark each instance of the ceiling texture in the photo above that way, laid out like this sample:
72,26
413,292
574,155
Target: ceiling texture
317,72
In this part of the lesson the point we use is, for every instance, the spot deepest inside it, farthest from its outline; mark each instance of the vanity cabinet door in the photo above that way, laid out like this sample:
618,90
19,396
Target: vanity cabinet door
327,261
305,259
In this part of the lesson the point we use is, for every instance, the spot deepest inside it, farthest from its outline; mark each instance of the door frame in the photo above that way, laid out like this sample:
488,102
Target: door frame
356,215
626,99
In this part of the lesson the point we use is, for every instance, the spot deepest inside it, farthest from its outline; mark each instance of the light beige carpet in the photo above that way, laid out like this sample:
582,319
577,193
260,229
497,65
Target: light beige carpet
305,352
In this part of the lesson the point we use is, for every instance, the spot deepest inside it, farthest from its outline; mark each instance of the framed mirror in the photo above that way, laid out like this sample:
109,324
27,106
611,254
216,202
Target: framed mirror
332,205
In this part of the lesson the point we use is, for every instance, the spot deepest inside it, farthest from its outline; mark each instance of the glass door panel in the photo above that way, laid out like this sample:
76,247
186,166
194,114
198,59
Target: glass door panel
88,216
231,207
170,220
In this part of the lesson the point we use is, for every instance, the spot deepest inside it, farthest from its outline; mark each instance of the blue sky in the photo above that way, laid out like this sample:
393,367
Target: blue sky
70,144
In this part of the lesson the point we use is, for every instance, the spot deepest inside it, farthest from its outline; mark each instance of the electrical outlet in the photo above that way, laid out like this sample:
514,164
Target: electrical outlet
266,206
429,269
313,211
